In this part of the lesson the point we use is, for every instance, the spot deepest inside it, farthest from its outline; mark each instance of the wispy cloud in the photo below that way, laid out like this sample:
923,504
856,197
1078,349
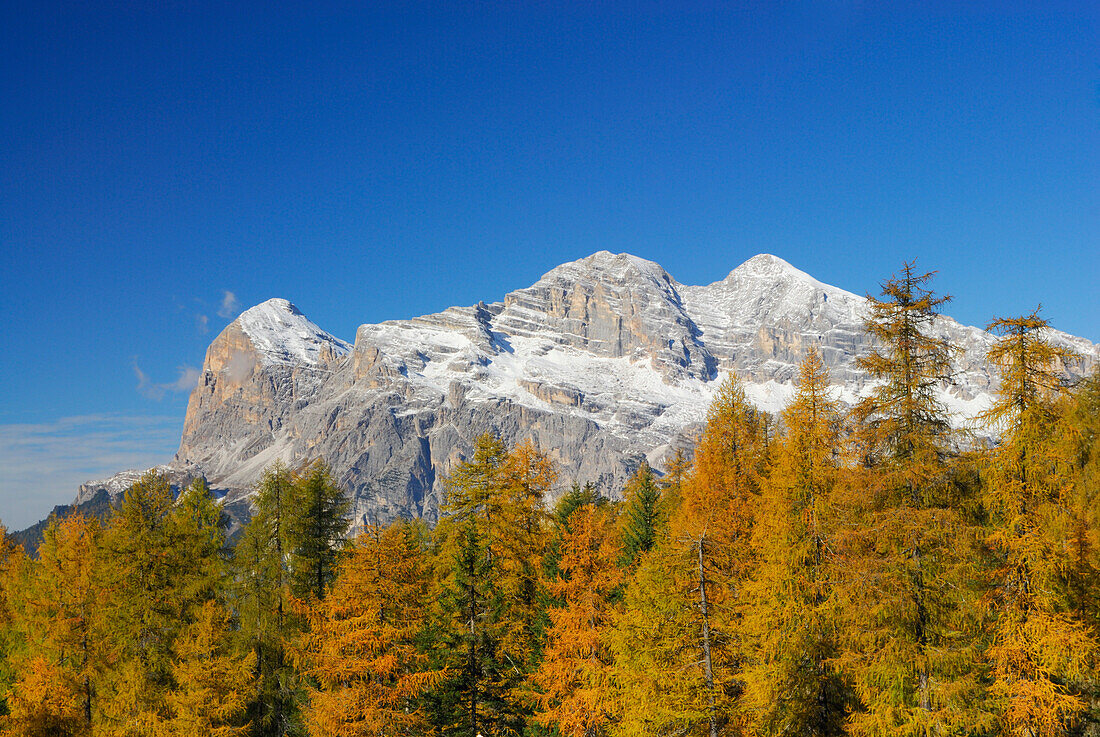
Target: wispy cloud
186,380
44,463
229,306
202,324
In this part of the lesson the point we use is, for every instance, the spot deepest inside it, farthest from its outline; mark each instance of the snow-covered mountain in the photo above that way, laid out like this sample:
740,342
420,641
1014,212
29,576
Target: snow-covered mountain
603,362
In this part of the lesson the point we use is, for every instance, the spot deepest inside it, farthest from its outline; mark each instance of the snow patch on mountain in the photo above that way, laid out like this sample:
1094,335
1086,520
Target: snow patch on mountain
282,334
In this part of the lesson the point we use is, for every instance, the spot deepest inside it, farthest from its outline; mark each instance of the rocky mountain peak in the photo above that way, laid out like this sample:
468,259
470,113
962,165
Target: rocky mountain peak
603,362
604,266
280,333
612,305
766,265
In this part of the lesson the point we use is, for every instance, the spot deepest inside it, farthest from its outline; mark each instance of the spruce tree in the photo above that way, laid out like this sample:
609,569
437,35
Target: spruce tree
644,519
263,601
488,616
316,527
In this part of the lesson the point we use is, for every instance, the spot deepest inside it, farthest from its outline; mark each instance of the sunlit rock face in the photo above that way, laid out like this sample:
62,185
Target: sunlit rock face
603,362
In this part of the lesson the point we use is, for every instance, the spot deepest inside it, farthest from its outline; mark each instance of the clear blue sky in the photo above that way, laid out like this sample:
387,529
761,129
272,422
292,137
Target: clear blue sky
376,163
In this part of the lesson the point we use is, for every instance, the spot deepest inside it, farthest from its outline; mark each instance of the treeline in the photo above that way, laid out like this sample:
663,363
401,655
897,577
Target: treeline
828,573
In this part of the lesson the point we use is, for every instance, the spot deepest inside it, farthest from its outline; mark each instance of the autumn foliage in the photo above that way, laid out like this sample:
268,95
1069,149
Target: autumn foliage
832,570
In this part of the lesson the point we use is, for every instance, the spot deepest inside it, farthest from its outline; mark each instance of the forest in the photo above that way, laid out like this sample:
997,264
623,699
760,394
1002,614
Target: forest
872,571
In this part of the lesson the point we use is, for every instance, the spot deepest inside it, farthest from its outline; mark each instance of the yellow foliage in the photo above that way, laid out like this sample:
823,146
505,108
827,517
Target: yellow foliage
1041,651
791,607
360,649
212,684
574,678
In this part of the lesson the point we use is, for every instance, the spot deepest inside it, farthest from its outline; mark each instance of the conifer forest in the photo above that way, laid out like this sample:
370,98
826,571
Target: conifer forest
874,570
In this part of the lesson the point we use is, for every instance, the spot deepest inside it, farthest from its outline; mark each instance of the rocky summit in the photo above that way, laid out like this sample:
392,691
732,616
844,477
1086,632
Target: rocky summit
604,362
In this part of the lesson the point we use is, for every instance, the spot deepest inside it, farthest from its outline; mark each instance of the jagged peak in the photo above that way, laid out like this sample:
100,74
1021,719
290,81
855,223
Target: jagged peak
604,264
281,333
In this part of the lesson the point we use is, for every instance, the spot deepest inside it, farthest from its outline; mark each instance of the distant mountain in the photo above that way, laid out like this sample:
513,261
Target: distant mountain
604,362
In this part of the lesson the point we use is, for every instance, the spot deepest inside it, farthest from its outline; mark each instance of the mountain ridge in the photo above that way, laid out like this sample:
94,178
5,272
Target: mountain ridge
604,362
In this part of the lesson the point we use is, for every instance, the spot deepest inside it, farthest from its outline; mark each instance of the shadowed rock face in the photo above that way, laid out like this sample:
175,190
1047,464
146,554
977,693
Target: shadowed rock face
603,362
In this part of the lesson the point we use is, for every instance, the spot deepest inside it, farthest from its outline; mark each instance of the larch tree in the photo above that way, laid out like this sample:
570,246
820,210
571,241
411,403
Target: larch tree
213,683
57,606
528,477
1042,651
792,608
362,650
142,614
575,498
677,469
12,562
163,561
487,613
677,642
658,683
910,588
1081,445
573,681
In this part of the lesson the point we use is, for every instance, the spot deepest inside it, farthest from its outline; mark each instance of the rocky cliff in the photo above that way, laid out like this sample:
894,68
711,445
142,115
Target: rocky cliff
603,362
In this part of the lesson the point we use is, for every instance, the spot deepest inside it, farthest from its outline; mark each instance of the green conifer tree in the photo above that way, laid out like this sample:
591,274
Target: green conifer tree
316,529
489,607
263,601
644,519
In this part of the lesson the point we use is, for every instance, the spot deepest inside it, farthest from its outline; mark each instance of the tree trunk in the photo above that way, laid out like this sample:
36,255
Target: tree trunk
708,668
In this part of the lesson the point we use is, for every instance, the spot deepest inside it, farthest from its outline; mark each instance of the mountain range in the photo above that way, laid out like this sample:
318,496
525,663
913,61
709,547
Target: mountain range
604,362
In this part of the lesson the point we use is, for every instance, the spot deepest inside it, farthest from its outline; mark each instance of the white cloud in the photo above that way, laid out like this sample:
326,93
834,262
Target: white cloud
202,323
187,379
44,463
230,305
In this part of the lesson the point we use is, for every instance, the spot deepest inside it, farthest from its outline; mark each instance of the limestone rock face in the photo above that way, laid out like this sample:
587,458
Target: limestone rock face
180,475
604,362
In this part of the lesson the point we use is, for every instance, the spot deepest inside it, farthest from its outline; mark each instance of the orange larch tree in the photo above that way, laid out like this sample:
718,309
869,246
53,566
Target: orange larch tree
361,650
574,678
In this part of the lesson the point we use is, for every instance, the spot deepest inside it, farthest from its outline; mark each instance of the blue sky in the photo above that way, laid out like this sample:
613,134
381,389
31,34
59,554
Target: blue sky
165,165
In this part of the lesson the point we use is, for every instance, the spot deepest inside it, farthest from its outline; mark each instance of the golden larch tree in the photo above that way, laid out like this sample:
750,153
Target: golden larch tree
1041,651
56,607
361,650
573,680
792,607
909,583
